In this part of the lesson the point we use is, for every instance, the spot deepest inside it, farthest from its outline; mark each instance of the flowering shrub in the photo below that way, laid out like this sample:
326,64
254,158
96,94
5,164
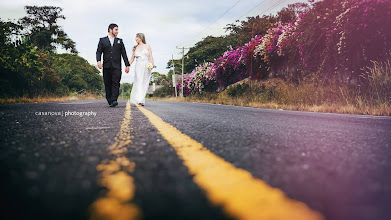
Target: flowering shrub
334,38
337,38
266,52
186,90
254,66
230,68
362,34
202,76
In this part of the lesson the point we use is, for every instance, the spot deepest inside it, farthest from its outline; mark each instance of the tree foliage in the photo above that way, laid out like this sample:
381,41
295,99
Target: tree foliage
29,65
331,40
41,28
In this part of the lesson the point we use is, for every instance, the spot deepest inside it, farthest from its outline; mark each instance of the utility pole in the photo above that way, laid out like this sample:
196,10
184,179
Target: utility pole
173,76
251,60
183,65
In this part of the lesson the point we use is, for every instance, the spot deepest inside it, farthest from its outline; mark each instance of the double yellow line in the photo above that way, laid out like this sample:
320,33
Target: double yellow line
116,204
237,191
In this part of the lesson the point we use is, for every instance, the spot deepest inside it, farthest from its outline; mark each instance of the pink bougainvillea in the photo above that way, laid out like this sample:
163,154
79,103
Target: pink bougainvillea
334,38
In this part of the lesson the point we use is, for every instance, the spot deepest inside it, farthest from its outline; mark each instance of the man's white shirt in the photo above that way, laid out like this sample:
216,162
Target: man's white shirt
111,40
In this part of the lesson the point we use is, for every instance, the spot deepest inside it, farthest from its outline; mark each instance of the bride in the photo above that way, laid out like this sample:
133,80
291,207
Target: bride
143,55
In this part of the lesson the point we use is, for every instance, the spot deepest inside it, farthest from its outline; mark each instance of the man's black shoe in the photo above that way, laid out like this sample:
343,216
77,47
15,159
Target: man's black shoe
114,103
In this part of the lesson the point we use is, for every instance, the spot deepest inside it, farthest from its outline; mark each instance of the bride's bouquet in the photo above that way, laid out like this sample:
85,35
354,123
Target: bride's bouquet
150,66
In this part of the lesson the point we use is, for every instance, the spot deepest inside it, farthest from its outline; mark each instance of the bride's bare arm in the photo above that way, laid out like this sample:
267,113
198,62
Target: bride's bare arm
132,58
150,55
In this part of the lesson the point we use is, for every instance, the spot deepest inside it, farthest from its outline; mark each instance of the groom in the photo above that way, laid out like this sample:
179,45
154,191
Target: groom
112,49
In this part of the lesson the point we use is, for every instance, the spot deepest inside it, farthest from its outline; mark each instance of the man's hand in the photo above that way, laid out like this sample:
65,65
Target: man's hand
99,65
127,69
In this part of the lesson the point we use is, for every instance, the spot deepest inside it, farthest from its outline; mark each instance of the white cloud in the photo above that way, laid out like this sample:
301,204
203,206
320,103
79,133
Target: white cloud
164,23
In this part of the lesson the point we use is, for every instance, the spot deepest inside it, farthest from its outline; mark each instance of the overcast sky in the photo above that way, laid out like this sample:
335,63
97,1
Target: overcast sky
165,23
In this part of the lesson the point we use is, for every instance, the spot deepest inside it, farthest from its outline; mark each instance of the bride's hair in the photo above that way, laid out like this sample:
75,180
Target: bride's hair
142,37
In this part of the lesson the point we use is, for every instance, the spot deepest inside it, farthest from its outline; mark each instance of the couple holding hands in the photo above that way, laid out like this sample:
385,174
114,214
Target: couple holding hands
113,48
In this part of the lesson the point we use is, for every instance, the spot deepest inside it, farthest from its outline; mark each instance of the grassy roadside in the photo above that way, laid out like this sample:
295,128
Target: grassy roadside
330,108
39,99
278,94
371,95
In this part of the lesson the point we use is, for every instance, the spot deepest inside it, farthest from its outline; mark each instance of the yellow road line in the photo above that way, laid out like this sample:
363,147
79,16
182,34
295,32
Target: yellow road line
239,193
116,203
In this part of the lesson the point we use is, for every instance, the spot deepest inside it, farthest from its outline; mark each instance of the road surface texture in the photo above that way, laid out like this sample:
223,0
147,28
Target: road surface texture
174,160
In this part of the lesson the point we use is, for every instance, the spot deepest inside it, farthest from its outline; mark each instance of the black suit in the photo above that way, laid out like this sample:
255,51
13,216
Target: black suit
111,65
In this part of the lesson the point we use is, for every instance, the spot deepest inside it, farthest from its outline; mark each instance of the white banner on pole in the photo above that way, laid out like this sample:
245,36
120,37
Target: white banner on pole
173,80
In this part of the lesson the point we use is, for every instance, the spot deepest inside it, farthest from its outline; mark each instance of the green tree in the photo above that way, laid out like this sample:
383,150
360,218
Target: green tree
29,65
157,78
41,28
21,69
251,27
76,73
154,77
124,90
169,75
240,33
207,50
257,25
177,64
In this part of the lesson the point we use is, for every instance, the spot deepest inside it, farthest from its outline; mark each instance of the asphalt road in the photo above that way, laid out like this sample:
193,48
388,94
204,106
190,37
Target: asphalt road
338,165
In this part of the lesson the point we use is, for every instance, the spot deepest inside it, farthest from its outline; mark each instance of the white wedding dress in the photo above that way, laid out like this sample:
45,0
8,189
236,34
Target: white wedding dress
141,77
